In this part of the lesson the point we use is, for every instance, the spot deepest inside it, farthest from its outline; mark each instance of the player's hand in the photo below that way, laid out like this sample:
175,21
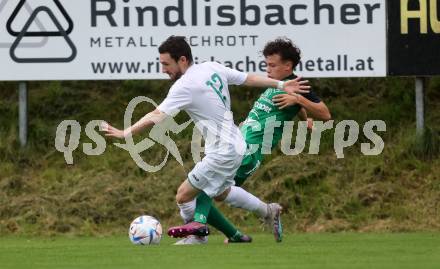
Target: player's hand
111,131
285,100
297,86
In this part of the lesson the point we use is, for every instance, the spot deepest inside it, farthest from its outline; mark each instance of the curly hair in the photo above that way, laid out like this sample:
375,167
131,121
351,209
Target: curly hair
284,47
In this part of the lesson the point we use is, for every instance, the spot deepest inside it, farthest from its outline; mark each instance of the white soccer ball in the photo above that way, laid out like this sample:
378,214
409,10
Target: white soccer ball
145,230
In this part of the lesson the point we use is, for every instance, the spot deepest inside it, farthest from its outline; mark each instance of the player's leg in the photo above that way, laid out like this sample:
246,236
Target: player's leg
203,207
238,197
185,202
221,223
214,217
207,213
213,175
185,198
204,202
204,213
270,213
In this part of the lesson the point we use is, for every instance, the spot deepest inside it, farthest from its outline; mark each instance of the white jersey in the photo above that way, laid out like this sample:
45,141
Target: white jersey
203,93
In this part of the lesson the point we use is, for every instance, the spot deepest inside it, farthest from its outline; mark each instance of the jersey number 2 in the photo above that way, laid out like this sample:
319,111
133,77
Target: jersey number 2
215,80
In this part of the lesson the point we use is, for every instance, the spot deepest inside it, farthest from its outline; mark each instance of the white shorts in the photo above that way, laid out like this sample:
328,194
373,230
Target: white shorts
215,173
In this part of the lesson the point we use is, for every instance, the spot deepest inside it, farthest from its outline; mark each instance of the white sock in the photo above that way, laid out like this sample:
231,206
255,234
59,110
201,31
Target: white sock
187,210
240,198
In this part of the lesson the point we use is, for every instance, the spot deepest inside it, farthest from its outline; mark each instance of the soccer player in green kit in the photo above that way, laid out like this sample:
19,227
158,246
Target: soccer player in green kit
270,111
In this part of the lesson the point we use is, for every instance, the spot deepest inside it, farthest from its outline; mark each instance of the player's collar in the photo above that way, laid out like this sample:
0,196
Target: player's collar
290,77
190,66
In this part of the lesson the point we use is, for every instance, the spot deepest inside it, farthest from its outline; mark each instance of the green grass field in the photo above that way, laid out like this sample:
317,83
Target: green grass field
413,250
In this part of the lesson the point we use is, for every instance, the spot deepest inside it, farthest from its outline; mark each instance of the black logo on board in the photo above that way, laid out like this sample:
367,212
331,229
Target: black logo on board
25,32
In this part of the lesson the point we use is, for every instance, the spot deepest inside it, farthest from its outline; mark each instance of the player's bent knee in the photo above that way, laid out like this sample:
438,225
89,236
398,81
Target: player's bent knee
185,193
222,197
180,196
219,198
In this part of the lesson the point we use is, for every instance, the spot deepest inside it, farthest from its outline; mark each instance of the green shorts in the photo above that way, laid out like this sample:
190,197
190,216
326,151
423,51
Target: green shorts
248,166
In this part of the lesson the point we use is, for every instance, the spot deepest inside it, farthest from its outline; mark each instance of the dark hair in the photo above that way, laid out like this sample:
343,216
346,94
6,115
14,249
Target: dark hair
177,47
285,48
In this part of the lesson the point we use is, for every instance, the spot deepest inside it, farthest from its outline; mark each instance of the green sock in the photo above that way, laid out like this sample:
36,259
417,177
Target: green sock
203,206
221,223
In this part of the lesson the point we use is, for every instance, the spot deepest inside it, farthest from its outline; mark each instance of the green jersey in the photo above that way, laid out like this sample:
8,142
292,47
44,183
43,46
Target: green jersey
266,115
263,114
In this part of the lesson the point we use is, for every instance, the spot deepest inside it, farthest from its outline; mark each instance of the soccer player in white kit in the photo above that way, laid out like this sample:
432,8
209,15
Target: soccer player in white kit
201,90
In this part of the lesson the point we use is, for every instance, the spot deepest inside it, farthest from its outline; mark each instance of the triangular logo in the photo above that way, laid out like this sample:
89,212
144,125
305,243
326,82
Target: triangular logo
61,32
40,33
40,26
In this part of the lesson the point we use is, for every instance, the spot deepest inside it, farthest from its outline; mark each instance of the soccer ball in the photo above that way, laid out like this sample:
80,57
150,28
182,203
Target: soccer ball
145,230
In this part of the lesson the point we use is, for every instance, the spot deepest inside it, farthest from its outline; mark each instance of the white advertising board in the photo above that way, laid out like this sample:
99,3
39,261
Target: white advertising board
119,39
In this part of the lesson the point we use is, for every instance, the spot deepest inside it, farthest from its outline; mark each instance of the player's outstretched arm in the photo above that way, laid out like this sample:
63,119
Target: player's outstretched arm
319,111
146,121
290,86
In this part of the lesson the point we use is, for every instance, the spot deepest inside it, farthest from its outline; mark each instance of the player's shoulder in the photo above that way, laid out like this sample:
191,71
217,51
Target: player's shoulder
205,67
182,84
215,64
212,66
